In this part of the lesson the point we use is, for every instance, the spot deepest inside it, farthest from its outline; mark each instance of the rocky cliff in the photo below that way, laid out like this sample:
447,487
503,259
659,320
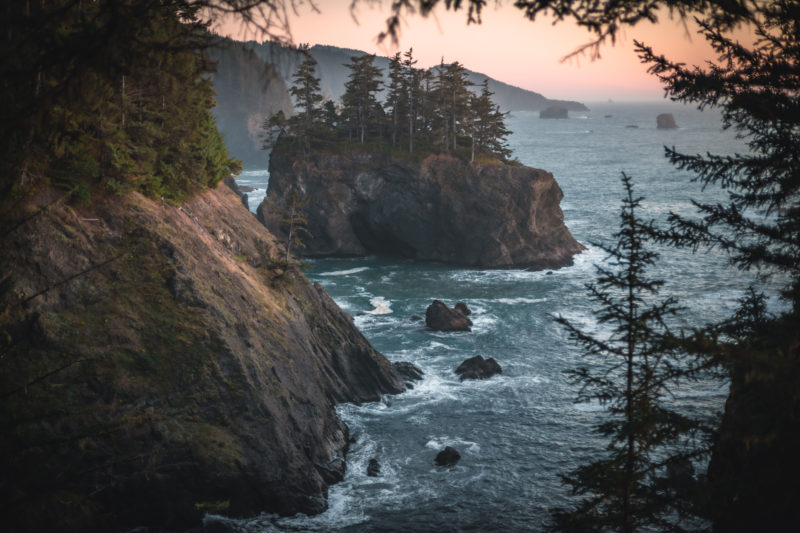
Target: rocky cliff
441,209
155,369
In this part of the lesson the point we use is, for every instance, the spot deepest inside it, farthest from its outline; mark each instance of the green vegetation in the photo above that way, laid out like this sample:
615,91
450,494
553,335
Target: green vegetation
633,373
108,96
424,112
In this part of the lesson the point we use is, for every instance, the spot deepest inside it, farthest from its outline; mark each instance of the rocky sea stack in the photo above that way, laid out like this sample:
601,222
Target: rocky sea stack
170,373
666,121
441,209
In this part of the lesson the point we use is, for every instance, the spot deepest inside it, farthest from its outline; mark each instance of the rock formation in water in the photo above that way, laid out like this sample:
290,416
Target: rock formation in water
478,368
441,209
666,121
168,374
439,317
447,457
554,111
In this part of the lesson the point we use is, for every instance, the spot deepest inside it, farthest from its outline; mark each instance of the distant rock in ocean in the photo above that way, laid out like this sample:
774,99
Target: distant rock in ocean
491,215
478,368
554,111
448,457
439,317
666,121
632,127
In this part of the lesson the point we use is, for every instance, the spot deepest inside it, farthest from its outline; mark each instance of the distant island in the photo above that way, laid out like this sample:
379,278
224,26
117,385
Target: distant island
252,78
424,174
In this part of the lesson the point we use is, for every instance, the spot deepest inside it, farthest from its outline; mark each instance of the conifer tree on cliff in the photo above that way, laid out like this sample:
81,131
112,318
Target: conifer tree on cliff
359,104
630,371
488,129
308,99
396,98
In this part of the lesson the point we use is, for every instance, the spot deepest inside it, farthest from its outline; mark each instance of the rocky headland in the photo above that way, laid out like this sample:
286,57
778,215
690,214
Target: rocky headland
156,369
491,215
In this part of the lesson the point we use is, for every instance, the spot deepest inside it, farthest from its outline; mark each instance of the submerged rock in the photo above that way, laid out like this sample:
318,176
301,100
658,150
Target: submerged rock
478,368
333,472
440,209
373,468
447,457
554,111
439,317
666,121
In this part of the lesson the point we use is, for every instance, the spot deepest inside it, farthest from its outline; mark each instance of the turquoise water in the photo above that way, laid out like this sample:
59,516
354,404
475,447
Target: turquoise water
519,431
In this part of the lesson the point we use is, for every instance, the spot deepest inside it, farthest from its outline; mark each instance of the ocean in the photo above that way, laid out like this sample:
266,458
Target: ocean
519,431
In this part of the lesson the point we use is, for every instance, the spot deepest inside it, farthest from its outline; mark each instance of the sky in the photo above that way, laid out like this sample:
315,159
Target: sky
507,47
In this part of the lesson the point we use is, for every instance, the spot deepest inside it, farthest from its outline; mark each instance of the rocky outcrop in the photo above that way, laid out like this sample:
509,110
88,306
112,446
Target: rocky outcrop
409,372
442,209
439,317
478,368
240,191
447,457
554,111
666,121
462,308
169,373
373,468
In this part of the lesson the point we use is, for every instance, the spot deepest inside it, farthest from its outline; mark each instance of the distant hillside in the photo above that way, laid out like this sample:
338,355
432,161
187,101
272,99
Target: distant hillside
249,90
333,73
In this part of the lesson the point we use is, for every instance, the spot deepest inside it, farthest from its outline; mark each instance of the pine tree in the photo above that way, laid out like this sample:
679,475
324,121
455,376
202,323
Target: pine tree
359,104
630,372
487,129
413,97
308,98
295,221
396,97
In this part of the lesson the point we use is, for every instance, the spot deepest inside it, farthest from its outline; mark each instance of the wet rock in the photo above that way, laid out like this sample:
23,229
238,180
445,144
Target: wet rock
333,472
448,457
461,306
408,371
554,111
439,317
373,468
666,121
416,318
478,368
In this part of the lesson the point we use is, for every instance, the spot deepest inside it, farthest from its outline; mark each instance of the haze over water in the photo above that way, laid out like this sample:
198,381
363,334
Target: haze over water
519,431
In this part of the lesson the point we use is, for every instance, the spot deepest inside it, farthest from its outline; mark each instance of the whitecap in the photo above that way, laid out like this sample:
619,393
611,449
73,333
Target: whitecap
381,306
592,406
344,272
520,300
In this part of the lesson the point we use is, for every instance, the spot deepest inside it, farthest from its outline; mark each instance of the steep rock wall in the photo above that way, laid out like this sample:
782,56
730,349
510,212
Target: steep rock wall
442,209
180,376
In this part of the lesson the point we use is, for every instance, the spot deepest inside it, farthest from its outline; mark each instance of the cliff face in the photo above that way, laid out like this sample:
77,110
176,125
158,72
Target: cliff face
492,215
173,376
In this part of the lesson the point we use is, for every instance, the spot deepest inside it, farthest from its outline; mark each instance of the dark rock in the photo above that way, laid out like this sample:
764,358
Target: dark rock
416,318
253,427
245,188
478,368
408,371
440,209
665,121
461,306
439,317
632,126
549,273
554,111
373,468
608,116
333,472
447,457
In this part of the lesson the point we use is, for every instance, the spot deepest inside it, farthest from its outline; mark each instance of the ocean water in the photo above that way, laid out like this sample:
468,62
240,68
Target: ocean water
516,432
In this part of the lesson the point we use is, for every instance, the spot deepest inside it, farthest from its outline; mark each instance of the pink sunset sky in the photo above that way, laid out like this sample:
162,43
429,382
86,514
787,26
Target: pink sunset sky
507,47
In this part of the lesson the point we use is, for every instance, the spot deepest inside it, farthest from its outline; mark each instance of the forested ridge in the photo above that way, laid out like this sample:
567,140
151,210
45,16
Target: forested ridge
108,97
423,111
